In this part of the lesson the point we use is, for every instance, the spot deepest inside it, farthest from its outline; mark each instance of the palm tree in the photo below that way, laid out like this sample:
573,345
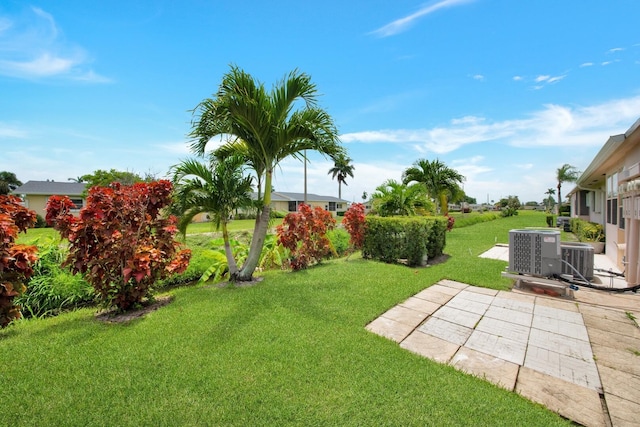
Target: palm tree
264,127
218,188
550,192
565,173
396,198
341,169
438,179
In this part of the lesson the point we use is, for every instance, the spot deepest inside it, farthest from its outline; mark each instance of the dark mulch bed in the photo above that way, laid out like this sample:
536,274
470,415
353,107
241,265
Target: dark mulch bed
148,307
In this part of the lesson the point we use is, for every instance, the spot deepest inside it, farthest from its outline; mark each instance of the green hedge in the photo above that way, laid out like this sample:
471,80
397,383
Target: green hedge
466,221
390,239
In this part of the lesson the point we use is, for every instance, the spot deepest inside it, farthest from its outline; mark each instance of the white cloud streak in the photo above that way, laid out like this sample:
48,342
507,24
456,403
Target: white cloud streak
33,47
402,24
554,125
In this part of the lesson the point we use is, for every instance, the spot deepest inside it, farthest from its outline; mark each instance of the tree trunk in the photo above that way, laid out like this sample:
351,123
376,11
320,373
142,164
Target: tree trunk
559,201
444,206
231,261
255,250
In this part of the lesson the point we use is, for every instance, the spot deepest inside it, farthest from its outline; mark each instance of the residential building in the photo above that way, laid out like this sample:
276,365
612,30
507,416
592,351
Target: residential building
35,194
608,193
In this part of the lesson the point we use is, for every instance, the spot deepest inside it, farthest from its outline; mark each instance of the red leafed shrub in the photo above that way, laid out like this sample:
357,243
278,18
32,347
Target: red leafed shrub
122,241
15,260
304,233
355,224
450,222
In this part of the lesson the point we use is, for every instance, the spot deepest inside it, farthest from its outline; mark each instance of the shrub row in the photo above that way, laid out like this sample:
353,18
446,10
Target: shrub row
465,221
390,239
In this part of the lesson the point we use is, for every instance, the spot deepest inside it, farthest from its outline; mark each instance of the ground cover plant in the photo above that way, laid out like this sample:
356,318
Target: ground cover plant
292,350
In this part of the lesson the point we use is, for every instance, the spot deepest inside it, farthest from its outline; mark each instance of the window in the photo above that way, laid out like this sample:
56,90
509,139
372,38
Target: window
78,203
293,206
332,206
612,211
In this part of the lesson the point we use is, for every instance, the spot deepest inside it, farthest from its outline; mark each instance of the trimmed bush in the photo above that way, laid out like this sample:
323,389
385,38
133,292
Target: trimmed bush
391,239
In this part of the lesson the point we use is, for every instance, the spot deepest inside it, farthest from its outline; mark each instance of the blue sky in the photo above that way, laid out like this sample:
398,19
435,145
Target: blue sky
503,91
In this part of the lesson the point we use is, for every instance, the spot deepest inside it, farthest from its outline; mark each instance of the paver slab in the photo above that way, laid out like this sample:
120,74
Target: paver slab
468,305
561,327
509,315
429,346
556,313
475,296
570,400
433,295
622,328
391,329
453,284
483,291
623,360
448,331
421,305
557,303
487,367
513,304
604,313
457,316
445,289
561,344
405,315
620,383
623,412
504,348
613,340
506,329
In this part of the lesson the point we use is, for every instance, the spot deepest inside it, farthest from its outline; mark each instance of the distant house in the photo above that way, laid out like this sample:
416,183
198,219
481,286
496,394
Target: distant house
289,202
608,193
35,194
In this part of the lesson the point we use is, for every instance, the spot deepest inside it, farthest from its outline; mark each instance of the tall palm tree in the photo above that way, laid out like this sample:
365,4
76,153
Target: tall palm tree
264,127
217,188
550,192
396,198
439,180
341,169
565,173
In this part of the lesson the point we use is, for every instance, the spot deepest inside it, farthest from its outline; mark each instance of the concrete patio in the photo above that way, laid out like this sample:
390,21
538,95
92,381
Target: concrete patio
580,357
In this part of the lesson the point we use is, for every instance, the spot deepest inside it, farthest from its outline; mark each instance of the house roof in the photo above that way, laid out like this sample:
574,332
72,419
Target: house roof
611,154
283,196
49,188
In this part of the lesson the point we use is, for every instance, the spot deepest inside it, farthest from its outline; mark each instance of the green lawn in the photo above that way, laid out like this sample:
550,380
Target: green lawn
291,350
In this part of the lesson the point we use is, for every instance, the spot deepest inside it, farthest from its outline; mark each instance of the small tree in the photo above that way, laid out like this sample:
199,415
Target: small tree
15,260
121,242
355,224
304,233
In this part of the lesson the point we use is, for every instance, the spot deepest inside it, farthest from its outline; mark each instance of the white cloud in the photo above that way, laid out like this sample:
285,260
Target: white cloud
586,64
34,48
542,78
402,24
7,131
518,78
615,49
478,77
554,125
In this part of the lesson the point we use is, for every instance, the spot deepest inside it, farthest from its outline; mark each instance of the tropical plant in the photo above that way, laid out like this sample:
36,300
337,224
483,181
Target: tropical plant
565,173
394,198
549,200
218,189
304,234
354,222
122,242
15,260
440,181
341,169
52,288
264,127
8,182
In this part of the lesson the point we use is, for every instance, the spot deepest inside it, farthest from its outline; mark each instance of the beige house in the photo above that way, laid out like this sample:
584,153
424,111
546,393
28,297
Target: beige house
608,192
289,202
35,194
